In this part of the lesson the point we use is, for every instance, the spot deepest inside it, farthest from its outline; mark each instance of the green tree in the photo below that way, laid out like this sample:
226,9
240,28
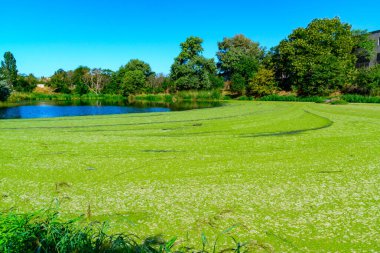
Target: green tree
318,59
157,83
61,81
239,56
133,82
25,83
114,84
131,78
136,64
9,69
78,80
191,70
5,90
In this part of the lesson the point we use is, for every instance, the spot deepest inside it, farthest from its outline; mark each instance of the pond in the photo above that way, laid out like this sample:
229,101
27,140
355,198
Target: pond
51,109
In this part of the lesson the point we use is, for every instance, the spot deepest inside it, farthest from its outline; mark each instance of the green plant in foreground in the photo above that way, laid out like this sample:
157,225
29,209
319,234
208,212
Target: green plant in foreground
44,231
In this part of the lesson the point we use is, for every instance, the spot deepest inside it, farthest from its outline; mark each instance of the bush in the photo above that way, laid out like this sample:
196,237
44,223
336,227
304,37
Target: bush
292,98
5,91
339,102
263,83
217,82
367,81
237,84
360,99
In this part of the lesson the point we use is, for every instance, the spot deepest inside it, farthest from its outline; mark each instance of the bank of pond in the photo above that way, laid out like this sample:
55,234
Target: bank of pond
35,105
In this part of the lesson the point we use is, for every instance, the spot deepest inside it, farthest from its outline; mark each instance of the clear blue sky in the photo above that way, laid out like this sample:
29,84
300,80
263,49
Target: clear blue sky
45,35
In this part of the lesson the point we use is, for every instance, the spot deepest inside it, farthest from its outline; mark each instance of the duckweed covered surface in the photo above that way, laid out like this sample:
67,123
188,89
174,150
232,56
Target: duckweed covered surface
295,177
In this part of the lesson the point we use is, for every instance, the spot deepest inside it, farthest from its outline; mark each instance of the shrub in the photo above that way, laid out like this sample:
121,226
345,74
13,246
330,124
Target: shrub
263,83
237,84
339,102
292,98
367,81
360,99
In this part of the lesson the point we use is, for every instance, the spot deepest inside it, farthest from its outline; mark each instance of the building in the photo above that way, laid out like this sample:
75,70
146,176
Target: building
363,62
376,36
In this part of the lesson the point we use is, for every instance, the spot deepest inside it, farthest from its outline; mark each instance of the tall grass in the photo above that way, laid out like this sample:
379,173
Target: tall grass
292,98
213,95
44,231
360,99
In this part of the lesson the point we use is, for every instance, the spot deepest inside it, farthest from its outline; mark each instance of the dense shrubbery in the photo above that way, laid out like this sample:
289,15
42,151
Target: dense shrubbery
367,82
293,98
263,83
352,98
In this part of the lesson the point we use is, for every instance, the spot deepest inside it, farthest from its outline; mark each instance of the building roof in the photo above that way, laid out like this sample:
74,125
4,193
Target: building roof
378,31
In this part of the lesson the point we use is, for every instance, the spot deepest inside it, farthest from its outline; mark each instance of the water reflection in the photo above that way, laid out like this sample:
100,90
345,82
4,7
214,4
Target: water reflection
93,107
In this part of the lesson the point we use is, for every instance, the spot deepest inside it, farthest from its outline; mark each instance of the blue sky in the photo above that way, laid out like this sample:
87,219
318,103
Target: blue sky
45,35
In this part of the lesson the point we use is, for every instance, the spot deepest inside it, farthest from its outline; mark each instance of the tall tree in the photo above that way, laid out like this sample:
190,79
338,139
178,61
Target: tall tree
61,81
318,59
133,77
190,69
9,69
78,80
239,59
157,83
97,79
133,82
136,64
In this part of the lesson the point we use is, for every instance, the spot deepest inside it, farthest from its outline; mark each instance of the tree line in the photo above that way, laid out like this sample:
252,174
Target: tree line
317,60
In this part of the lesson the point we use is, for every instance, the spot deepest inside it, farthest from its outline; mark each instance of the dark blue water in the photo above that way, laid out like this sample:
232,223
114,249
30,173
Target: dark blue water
59,109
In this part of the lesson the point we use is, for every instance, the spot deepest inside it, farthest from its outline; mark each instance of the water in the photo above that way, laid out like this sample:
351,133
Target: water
53,109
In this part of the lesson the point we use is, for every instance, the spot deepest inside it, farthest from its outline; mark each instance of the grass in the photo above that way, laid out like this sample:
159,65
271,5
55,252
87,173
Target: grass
294,177
212,95
292,98
360,99
44,231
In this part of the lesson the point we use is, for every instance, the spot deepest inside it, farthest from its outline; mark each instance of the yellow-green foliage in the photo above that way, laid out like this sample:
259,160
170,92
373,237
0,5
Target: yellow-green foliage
263,83
295,177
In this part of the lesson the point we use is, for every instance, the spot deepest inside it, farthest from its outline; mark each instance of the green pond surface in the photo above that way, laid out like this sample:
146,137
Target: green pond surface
293,177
